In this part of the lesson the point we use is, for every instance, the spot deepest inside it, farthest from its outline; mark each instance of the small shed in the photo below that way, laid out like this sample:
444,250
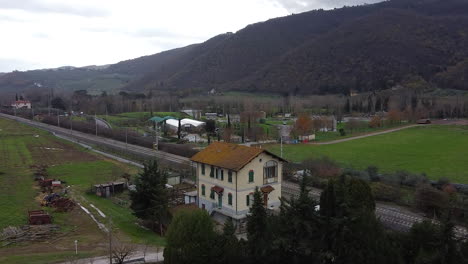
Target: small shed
108,189
190,197
39,217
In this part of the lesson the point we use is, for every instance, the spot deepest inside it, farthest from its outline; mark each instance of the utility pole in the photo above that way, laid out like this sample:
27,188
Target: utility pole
110,239
95,120
126,141
281,140
48,103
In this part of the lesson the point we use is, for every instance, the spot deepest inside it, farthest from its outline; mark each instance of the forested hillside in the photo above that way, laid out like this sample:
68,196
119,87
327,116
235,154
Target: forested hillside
362,48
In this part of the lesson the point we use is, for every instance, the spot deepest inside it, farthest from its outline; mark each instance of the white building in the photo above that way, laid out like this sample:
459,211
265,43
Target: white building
21,104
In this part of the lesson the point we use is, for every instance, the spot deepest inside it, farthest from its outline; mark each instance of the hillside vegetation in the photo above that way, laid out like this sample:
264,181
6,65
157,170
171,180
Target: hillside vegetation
362,48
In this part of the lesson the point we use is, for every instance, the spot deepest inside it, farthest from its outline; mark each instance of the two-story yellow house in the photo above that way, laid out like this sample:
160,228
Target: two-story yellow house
227,175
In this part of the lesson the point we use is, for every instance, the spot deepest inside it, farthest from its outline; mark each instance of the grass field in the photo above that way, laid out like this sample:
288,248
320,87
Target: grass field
22,146
438,151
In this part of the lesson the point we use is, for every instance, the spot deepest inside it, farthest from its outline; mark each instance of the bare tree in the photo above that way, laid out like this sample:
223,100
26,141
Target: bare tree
122,251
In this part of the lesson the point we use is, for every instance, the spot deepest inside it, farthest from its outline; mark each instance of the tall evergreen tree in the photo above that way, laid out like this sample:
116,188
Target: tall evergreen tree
150,199
298,238
258,233
190,238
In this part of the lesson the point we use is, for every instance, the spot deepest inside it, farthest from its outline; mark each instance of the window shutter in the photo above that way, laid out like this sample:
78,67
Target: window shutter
247,200
212,172
251,176
222,174
203,169
230,199
203,190
229,176
212,196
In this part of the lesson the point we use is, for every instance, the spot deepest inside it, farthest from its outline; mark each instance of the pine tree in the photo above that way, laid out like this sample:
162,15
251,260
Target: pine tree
190,238
150,200
298,236
257,229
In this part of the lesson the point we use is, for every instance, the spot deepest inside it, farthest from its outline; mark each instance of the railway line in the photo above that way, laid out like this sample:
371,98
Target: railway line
106,142
393,217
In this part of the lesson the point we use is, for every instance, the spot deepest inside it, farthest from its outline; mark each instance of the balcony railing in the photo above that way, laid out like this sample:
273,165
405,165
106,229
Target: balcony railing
270,180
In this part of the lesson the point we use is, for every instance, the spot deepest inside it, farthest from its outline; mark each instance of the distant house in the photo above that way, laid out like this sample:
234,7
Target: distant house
21,104
211,116
193,113
227,175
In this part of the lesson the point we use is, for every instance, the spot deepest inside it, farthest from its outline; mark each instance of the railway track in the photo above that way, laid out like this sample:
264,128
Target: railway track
106,142
392,217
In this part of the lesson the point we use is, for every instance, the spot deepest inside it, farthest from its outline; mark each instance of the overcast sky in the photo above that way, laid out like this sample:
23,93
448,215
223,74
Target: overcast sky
52,33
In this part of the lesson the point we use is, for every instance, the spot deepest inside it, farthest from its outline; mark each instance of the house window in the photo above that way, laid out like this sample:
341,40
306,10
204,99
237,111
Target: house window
270,172
212,172
203,169
251,176
247,200
222,174
203,189
230,198
212,196
229,176
217,172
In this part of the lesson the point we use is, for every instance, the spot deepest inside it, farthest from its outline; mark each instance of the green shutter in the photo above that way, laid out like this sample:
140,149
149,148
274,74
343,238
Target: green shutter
212,196
230,199
203,190
222,174
251,176
203,169
212,172
229,176
247,200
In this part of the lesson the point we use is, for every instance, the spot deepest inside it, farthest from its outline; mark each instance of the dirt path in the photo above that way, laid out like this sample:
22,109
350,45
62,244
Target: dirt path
364,136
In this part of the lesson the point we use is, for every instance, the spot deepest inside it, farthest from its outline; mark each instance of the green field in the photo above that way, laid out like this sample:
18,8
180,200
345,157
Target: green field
438,151
22,146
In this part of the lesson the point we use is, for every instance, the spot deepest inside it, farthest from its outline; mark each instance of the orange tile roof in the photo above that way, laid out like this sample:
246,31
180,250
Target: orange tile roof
228,155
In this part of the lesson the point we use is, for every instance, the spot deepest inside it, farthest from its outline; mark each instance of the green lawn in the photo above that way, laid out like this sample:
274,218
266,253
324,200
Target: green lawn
438,151
16,181
22,146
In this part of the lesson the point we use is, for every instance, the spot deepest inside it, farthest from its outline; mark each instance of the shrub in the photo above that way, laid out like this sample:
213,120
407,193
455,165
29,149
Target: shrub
342,132
431,200
373,172
386,192
323,167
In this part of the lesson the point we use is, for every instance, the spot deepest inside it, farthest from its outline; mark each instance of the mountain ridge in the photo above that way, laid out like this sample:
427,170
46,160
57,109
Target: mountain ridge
362,48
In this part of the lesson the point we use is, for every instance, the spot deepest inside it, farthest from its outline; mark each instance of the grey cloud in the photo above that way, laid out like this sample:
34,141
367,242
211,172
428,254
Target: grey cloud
39,6
296,6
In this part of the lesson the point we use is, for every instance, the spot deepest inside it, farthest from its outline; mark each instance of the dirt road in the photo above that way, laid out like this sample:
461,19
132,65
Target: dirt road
364,136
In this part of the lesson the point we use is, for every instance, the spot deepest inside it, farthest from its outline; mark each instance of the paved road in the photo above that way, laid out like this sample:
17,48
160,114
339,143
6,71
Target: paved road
364,136
393,217
137,257
102,123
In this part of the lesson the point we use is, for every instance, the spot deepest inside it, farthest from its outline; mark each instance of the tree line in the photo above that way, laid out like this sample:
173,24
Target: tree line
341,228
